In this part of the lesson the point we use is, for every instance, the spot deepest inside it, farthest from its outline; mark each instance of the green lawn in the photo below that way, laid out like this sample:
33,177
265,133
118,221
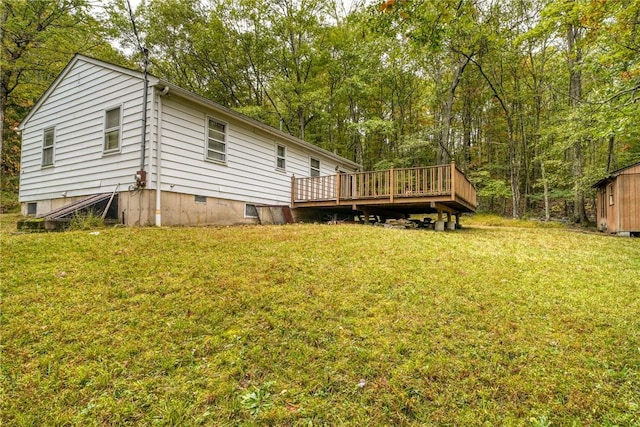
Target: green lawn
320,325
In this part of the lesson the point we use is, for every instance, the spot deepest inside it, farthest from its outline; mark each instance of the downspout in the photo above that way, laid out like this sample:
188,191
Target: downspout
141,175
159,158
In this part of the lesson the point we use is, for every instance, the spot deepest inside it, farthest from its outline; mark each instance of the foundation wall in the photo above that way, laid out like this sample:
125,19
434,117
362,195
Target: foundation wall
138,209
177,209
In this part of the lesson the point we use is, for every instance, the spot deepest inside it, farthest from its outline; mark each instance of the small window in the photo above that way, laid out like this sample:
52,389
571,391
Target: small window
281,157
32,208
112,130
216,140
250,211
315,167
47,147
610,194
201,199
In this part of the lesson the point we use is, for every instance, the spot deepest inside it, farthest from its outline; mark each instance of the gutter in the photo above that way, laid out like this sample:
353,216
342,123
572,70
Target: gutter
257,124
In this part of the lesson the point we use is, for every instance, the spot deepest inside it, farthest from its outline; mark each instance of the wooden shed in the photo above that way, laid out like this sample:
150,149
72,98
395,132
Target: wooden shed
618,201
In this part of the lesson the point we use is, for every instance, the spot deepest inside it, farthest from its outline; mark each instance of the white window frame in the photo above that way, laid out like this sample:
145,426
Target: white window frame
281,158
46,148
208,138
109,130
313,171
246,215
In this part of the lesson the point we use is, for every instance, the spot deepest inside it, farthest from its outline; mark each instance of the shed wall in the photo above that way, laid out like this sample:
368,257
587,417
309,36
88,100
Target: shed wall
629,200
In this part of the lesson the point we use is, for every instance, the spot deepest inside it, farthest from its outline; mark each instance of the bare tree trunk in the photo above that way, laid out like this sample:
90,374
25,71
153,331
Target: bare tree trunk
545,186
610,153
3,83
574,57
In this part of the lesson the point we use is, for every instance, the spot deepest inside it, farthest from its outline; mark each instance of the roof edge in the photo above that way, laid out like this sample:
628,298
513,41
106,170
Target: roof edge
188,95
613,174
256,123
77,57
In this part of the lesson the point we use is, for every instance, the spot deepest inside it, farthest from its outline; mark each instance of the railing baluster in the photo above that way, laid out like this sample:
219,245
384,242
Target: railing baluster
391,183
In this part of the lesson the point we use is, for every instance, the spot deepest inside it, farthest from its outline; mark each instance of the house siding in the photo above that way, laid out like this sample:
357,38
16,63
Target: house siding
76,108
249,173
75,105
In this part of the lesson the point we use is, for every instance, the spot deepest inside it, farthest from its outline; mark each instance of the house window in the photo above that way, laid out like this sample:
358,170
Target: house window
250,211
112,130
216,140
315,167
610,194
32,208
281,157
47,147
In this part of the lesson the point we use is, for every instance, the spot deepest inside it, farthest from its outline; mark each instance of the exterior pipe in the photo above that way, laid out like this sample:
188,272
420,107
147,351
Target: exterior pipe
143,145
159,158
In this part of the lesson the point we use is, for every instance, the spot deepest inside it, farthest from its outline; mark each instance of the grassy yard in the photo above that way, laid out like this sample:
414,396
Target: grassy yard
319,325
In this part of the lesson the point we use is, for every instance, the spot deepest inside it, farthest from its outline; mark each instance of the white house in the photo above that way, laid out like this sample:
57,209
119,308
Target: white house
198,163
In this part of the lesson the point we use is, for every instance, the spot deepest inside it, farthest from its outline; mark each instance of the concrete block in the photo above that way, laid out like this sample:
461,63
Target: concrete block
450,225
439,226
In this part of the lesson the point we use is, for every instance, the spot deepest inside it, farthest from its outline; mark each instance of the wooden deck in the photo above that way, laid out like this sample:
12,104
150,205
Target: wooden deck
441,189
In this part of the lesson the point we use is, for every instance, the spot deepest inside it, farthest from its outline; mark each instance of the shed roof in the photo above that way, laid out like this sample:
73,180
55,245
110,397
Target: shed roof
184,93
613,174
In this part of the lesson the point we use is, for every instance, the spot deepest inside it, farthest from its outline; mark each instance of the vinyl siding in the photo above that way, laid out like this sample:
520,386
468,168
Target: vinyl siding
76,108
250,172
75,105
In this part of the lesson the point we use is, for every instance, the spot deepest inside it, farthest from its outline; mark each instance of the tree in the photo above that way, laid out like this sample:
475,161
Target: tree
38,38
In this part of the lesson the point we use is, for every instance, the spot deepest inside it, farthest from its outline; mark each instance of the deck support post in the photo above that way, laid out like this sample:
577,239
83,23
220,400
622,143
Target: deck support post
439,224
293,189
338,186
366,214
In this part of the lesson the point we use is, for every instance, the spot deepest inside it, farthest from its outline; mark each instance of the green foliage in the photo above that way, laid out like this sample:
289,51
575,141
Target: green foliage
258,399
9,193
316,324
86,221
395,82
37,40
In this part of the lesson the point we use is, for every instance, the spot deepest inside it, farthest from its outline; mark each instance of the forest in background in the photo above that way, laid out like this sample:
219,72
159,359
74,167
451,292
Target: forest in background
534,99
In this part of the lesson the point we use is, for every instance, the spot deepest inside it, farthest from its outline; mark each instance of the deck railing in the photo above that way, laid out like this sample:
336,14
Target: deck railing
388,184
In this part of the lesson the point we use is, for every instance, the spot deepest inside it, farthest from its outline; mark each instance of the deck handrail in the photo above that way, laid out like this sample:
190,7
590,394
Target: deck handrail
389,184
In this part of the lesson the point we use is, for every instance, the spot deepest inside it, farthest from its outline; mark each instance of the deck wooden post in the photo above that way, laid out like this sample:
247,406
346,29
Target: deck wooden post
392,185
366,214
338,187
293,189
453,181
